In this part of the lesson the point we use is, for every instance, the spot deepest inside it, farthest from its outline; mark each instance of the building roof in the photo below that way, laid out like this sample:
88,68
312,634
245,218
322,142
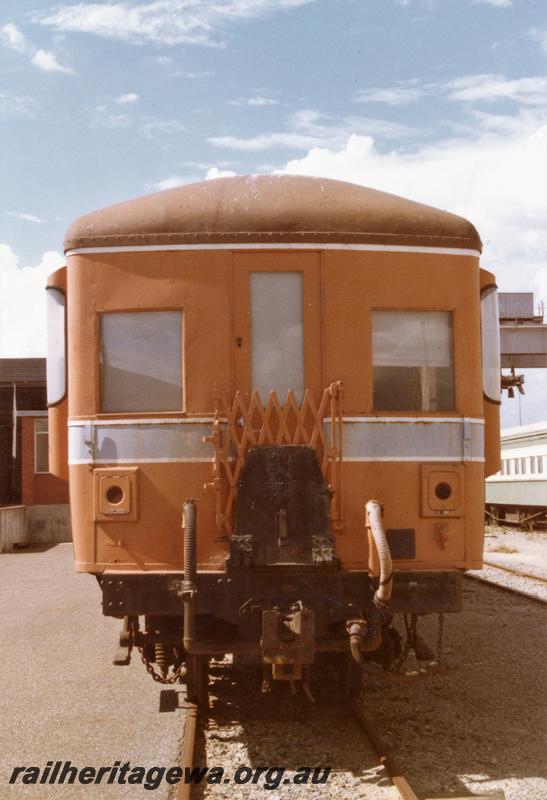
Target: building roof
531,431
23,370
271,209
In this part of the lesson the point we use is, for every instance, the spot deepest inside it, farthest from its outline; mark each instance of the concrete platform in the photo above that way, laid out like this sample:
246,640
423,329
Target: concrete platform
61,698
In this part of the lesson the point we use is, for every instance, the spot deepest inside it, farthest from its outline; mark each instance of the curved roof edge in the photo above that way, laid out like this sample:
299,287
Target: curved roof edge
273,209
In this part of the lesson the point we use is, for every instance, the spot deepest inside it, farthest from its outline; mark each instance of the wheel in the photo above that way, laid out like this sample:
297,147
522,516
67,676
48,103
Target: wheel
338,676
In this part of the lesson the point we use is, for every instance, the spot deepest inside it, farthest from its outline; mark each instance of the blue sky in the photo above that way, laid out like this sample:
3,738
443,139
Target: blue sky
442,101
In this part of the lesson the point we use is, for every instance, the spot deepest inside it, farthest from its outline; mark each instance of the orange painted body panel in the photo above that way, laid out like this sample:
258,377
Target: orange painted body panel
341,290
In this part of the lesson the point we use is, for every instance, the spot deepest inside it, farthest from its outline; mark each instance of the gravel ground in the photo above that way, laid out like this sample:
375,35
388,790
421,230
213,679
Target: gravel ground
478,725
475,725
517,549
61,698
279,729
524,551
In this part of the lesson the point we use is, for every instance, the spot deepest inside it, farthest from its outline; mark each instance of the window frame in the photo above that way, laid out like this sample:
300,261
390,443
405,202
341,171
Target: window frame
452,312
99,362
38,433
63,294
255,325
487,291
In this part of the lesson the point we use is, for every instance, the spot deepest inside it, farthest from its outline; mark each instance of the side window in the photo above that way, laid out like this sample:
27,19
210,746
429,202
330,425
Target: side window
491,358
412,361
141,361
56,346
41,446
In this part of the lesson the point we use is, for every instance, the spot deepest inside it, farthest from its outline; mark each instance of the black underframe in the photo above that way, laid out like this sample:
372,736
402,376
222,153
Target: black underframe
238,597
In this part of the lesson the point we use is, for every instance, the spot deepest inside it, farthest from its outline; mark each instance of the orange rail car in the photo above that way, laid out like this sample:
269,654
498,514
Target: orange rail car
280,413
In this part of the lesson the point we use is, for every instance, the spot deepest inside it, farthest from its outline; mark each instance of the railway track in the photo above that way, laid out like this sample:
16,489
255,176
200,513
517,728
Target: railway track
512,580
342,718
515,571
385,758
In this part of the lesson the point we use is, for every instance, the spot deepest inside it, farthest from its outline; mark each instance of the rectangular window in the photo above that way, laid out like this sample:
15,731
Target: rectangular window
41,439
277,326
490,328
533,465
540,464
516,465
141,361
412,361
56,346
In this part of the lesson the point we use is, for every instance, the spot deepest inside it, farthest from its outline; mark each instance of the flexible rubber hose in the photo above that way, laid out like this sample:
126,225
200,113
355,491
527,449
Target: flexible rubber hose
382,595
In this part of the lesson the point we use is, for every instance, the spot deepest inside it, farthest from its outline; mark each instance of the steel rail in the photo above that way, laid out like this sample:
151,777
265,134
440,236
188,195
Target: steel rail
387,760
504,588
187,753
517,572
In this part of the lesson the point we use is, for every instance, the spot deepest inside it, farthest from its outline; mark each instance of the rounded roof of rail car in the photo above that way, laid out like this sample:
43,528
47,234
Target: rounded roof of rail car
262,209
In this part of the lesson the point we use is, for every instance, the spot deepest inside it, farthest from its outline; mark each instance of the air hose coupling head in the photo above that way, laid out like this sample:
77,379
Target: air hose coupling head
357,632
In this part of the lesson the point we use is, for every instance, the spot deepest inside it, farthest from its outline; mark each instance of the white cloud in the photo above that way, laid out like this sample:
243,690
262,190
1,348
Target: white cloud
308,128
166,22
11,37
495,3
257,101
392,96
261,101
102,119
130,97
16,106
178,180
482,88
495,177
192,76
22,304
47,61
473,88
168,183
25,217
215,172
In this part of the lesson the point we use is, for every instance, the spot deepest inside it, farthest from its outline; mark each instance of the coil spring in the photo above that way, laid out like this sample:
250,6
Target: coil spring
161,657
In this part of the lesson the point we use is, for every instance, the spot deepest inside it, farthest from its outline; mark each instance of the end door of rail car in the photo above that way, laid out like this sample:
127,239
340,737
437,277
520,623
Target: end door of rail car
277,324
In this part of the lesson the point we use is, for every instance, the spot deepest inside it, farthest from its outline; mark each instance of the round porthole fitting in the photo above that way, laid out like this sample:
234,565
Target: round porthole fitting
443,490
114,495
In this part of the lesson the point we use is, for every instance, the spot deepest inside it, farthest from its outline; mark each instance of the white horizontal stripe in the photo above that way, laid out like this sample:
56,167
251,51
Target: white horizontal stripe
126,441
117,462
77,423
416,458
443,459
414,419
379,248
